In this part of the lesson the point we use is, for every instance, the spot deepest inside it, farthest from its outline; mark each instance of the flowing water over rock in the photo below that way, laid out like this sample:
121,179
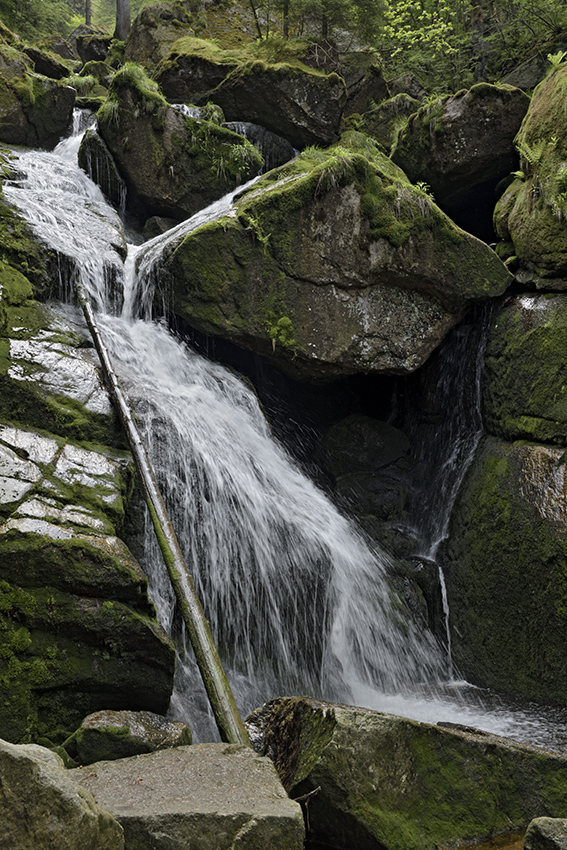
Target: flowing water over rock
296,600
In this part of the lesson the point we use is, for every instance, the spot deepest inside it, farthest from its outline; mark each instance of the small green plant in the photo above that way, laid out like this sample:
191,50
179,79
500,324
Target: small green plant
280,331
531,156
556,59
213,113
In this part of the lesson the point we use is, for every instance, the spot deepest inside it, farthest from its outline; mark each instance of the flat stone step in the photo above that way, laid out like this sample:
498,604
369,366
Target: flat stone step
198,797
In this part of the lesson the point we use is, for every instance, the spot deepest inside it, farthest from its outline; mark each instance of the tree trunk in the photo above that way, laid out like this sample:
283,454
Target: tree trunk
286,19
229,722
88,12
122,20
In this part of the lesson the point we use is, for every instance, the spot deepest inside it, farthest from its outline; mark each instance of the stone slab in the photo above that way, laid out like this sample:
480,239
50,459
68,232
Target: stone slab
199,797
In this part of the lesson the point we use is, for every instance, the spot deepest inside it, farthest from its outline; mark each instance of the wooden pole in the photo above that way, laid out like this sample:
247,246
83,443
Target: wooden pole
228,719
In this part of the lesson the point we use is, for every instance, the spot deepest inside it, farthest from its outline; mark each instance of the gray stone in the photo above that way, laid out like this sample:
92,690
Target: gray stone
41,808
365,273
108,735
387,782
546,834
211,796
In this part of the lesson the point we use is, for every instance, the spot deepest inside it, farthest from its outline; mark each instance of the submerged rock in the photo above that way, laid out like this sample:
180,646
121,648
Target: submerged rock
107,735
173,165
212,796
525,378
461,146
331,265
41,808
388,783
505,565
531,212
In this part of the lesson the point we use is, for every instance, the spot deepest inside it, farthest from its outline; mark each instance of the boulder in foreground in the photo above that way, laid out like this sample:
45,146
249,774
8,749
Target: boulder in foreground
41,808
211,796
389,783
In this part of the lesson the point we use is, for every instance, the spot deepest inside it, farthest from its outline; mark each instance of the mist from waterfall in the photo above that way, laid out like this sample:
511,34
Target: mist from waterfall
297,601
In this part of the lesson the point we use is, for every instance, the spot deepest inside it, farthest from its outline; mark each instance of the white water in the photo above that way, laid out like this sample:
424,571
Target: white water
296,601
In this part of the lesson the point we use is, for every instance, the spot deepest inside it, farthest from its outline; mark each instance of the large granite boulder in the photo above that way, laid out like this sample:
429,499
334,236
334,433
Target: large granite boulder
331,265
505,565
35,111
530,214
525,378
210,796
173,165
107,735
47,64
389,783
292,100
364,78
546,834
41,808
461,146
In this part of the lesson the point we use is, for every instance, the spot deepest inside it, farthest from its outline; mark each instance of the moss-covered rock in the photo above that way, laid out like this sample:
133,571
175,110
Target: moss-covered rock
531,212
47,64
34,110
462,146
108,735
154,31
364,78
96,160
333,264
291,99
505,564
384,121
525,379
173,165
388,783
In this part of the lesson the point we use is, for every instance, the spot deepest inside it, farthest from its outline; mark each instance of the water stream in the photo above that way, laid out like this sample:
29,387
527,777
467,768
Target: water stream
296,600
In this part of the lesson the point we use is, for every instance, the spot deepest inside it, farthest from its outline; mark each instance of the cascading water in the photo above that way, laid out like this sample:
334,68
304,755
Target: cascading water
296,600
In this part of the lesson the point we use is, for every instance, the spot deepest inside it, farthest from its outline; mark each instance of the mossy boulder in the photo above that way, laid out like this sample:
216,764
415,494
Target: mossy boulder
108,735
173,165
531,212
389,783
154,31
96,160
47,64
384,121
461,146
34,110
42,808
291,99
525,378
93,46
331,265
505,564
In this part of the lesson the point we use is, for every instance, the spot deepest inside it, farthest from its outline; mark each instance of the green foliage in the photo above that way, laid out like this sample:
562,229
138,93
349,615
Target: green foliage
34,18
280,331
556,59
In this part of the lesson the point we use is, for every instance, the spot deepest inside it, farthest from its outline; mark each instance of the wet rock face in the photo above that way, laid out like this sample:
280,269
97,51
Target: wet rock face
77,632
462,146
388,782
332,265
43,809
504,564
212,796
530,215
525,379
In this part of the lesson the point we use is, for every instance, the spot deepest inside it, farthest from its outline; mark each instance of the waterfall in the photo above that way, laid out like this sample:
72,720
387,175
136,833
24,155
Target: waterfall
297,601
